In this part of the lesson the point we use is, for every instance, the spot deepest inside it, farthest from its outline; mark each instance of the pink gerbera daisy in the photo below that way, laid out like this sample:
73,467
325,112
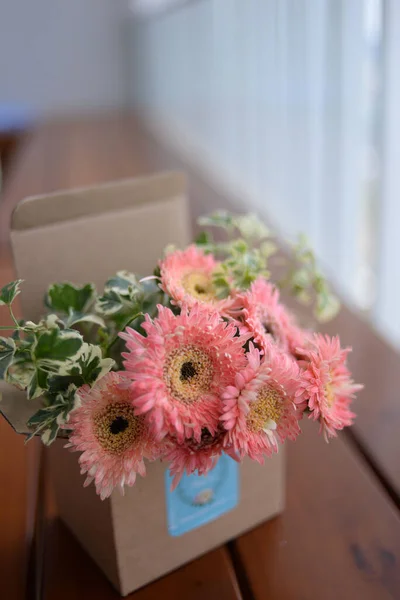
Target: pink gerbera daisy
268,319
190,455
187,276
259,409
112,439
326,387
179,368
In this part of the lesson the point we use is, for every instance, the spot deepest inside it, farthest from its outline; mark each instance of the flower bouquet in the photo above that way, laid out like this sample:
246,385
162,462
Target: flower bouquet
198,360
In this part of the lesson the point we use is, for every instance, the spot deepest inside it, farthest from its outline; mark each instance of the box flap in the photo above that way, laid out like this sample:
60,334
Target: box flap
87,235
38,211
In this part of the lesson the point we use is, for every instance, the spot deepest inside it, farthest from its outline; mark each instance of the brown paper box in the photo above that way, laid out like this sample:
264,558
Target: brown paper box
87,235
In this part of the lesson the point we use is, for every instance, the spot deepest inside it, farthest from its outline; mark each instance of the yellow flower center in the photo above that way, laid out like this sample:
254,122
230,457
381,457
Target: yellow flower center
266,408
188,373
199,285
116,427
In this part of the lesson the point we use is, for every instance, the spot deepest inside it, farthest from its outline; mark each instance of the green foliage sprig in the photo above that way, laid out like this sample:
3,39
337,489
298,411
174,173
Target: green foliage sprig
304,280
246,253
76,344
243,256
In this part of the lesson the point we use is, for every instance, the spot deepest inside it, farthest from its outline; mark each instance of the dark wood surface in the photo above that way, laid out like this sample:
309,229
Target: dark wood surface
339,536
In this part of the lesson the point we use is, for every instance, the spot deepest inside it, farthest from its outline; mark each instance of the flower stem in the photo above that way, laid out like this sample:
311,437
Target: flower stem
13,318
129,321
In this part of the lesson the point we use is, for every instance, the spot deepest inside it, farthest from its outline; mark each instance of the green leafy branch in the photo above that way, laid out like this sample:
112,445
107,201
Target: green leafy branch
305,282
76,344
245,257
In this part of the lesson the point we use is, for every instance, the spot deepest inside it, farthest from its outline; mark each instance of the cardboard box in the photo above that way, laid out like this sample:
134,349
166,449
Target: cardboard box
87,235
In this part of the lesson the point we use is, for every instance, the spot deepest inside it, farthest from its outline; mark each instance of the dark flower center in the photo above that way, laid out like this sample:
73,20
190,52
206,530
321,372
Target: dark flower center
268,328
199,289
118,425
206,436
208,440
187,371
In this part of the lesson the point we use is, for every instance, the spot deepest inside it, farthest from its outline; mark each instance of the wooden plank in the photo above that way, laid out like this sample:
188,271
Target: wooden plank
70,573
339,536
19,464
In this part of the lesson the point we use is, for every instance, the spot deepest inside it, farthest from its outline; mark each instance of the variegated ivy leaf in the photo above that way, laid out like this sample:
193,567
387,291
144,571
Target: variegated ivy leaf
9,292
48,420
52,322
123,284
169,249
50,433
89,365
7,351
49,352
48,322
37,384
109,304
66,297
204,239
327,307
268,249
251,227
20,374
56,345
221,284
122,294
22,369
75,318
218,218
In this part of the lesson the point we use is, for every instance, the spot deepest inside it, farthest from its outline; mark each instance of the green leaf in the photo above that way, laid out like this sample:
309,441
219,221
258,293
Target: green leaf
109,304
268,249
123,283
218,218
34,390
60,383
49,322
9,292
327,307
7,351
251,227
50,434
89,364
48,420
20,374
42,415
75,318
56,345
203,239
240,246
52,322
64,297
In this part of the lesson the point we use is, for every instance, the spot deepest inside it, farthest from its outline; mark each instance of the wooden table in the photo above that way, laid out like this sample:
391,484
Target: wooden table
339,537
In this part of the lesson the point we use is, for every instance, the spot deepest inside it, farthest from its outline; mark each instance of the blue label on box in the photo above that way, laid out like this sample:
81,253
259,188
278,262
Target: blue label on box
199,499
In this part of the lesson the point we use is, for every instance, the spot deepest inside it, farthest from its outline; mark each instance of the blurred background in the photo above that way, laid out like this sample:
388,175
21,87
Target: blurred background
292,105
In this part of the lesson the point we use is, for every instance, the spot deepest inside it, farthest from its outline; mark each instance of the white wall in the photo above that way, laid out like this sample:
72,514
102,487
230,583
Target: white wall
61,55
